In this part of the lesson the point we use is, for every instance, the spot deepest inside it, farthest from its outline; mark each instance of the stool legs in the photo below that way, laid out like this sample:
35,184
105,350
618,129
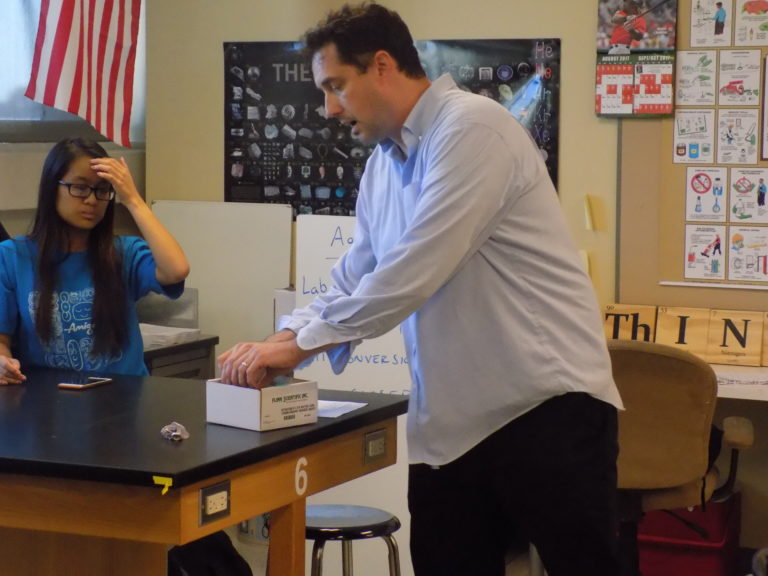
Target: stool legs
346,556
394,555
317,558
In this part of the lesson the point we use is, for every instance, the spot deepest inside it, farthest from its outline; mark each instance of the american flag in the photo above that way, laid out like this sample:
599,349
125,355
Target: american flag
84,61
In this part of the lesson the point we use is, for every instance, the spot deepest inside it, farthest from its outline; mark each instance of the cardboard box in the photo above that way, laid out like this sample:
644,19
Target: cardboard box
270,408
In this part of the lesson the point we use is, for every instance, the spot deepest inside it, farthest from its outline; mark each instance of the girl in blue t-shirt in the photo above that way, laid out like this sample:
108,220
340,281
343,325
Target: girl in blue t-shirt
67,291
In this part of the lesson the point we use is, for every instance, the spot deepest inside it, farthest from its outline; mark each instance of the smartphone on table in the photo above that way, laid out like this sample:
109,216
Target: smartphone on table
83,382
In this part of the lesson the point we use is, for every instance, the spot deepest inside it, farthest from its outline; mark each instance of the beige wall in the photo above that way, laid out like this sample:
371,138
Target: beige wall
20,167
185,96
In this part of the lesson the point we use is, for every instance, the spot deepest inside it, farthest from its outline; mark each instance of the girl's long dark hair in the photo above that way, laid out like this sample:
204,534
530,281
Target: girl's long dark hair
51,232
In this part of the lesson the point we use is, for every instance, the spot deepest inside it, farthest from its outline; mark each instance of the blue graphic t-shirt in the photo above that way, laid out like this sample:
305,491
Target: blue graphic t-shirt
72,340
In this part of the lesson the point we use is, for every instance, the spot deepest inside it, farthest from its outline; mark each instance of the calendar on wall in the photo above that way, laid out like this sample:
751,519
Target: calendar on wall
635,45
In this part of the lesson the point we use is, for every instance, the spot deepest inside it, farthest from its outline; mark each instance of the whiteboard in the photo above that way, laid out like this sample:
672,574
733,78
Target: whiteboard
377,365
239,254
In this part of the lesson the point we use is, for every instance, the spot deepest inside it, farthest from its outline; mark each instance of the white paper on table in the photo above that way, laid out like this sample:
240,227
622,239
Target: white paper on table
732,375
334,409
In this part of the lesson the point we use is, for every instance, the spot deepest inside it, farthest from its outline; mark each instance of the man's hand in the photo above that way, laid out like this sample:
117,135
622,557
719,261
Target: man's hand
257,364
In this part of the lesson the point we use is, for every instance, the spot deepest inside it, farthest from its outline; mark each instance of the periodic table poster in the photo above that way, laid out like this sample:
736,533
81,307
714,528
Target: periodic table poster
635,57
281,149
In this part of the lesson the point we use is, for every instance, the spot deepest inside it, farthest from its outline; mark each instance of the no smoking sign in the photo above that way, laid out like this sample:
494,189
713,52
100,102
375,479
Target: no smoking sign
701,183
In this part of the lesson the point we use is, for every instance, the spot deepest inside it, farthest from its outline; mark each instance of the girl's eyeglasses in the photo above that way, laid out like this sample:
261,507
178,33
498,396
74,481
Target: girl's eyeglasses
105,193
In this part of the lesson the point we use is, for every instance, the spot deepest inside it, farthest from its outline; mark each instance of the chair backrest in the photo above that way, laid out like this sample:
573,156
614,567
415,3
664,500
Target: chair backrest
669,398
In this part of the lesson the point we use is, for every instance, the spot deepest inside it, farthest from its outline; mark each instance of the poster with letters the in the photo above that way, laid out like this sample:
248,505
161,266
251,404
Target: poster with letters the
281,148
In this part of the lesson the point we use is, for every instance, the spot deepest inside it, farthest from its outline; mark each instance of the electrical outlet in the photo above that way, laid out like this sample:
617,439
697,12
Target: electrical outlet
214,502
254,530
374,445
217,502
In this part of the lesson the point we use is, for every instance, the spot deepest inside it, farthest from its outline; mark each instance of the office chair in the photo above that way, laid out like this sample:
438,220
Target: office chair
669,397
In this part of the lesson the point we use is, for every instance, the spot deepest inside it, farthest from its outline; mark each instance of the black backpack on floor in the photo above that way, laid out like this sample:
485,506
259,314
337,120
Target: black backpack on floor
212,555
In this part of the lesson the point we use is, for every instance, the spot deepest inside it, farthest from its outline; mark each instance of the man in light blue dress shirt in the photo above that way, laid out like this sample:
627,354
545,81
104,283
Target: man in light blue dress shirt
460,240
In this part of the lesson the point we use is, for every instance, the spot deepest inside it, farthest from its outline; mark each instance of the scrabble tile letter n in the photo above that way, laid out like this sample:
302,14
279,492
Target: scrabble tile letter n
735,337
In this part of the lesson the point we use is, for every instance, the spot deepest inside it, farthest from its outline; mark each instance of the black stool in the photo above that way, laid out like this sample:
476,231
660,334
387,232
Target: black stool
348,523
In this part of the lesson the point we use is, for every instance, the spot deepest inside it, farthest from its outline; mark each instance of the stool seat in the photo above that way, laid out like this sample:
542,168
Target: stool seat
347,523
341,522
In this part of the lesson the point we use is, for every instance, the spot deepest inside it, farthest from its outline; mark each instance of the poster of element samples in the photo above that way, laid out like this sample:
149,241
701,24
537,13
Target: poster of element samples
280,148
635,57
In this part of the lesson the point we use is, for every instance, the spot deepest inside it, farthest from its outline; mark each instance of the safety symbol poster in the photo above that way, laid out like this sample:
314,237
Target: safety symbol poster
696,76
711,23
747,195
748,253
738,249
705,199
739,78
751,23
737,136
694,136
704,247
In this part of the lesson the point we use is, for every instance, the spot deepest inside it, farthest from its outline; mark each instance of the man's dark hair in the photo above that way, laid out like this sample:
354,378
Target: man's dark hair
359,31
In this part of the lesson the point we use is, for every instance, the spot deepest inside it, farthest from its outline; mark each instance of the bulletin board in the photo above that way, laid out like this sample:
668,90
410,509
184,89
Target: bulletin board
376,365
655,212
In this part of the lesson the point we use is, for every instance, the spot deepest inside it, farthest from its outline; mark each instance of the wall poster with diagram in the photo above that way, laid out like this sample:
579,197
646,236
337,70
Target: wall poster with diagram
281,149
